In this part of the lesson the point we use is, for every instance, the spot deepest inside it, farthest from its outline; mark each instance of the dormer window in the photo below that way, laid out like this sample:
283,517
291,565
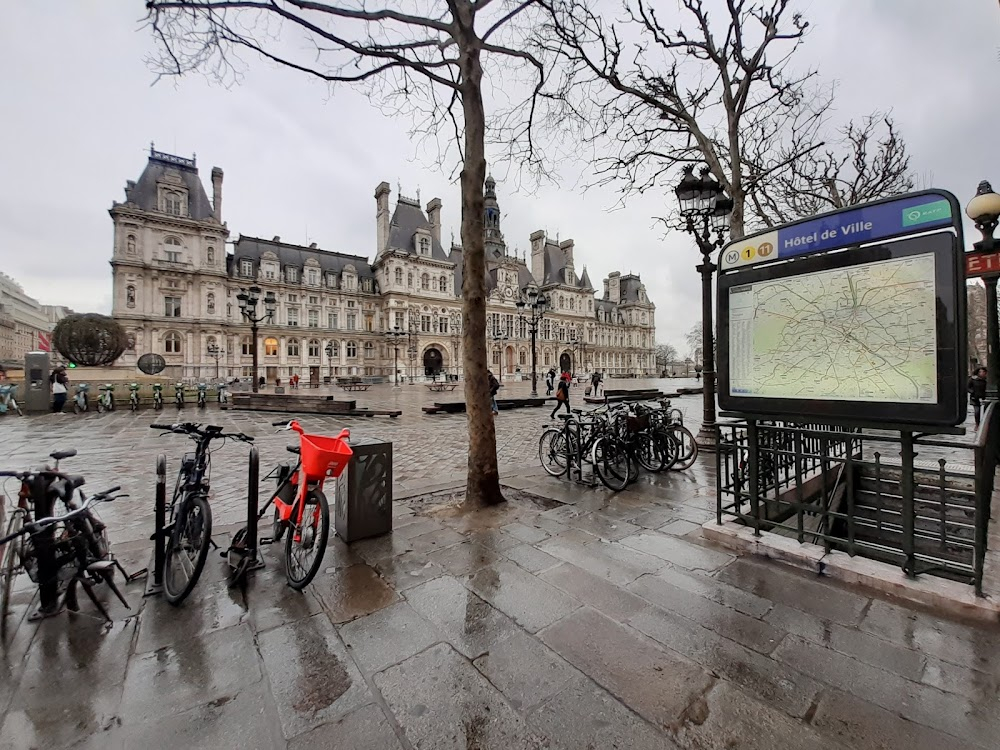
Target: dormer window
173,203
291,274
425,246
246,268
313,275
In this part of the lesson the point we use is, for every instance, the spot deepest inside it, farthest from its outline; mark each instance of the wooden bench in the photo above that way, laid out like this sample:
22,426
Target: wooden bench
304,405
458,407
440,387
355,386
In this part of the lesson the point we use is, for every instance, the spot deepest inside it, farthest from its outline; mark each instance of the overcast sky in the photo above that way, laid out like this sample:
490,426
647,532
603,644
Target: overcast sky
79,112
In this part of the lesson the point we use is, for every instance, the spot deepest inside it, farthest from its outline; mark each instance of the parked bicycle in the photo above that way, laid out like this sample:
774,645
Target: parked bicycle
57,552
157,396
179,395
133,396
301,509
202,395
188,530
8,399
587,438
81,401
106,401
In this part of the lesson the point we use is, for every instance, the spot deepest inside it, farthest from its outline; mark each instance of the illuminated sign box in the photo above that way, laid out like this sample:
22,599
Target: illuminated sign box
857,314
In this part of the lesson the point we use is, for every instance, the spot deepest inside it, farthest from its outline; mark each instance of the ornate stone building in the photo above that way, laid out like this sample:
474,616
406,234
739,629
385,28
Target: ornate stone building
175,290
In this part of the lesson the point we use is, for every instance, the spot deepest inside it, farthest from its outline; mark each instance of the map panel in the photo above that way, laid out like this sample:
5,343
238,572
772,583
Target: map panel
862,333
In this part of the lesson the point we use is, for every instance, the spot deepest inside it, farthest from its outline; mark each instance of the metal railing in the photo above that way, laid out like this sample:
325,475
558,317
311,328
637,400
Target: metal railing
863,492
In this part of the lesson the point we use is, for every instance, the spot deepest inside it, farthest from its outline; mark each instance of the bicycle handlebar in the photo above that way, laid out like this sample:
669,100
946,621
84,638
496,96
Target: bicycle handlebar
33,527
194,430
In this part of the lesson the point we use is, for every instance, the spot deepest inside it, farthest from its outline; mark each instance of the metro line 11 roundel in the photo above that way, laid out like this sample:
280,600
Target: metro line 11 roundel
858,314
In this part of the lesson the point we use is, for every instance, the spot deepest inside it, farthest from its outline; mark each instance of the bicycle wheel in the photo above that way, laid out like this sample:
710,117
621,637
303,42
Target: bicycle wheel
186,548
100,406
612,463
648,452
669,446
552,452
8,570
687,448
305,545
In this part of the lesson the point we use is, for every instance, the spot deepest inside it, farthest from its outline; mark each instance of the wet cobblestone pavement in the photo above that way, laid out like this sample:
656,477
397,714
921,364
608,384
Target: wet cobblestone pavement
567,618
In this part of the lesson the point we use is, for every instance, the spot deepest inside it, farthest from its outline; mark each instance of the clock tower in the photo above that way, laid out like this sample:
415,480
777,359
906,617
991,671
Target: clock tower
496,248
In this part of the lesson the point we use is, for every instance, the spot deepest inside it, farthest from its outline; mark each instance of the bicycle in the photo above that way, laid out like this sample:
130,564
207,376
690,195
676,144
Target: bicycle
188,530
78,554
300,487
202,395
106,401
157,396
590,437
179,395
8,400
133,396
81,401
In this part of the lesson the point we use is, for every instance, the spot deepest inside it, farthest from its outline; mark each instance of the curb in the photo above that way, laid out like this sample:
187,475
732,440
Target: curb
940,594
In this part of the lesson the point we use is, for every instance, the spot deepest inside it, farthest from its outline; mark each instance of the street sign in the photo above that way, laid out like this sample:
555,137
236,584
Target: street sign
982,264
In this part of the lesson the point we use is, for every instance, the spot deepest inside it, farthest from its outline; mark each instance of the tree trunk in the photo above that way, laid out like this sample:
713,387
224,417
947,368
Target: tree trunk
483,482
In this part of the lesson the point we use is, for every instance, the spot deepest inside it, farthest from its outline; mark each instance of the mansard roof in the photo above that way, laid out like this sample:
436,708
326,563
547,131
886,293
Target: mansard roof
406,220
253,248
630,287
163,167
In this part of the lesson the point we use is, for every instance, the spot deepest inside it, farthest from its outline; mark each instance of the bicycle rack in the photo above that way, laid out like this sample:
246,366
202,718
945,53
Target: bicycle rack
243,555
591,480
154,584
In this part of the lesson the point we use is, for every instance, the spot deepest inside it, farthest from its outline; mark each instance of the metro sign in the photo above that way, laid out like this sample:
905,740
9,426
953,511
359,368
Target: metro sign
44,342
982,264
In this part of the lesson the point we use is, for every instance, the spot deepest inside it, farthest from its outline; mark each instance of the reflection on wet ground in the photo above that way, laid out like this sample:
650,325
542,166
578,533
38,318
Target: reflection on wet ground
566,618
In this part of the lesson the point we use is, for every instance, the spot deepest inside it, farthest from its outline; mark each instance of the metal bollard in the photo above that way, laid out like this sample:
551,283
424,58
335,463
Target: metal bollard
252,490
154,585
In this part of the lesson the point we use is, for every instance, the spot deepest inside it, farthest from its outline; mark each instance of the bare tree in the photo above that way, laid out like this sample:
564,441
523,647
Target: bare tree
869,161
420,58
722,93
665,354
976,326
693,339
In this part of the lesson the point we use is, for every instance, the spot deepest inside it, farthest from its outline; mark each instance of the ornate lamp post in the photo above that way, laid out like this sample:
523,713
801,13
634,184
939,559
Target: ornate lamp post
500,339
215,352
394,336
984,209
706,212
248,299
534,303
329,359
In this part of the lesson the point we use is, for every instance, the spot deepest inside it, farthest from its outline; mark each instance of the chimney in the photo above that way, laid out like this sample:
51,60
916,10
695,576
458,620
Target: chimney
538,256
614,286
434,217
567,247
129,187
217,194
381,217
606,295
312,245
276,239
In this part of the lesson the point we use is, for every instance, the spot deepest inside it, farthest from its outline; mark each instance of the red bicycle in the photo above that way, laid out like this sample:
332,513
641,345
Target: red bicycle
300,507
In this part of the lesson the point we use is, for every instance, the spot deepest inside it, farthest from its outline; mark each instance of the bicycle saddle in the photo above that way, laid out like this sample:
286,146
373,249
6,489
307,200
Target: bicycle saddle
563,416
60,455
292,448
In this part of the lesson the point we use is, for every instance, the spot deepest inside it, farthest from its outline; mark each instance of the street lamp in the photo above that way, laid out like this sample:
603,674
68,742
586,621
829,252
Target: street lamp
706,211
535,302
329,359
394,336
215,352
248,299
500,339
984,210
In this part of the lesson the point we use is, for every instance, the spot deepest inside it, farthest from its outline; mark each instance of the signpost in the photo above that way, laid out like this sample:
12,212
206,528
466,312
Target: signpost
858,314
982,264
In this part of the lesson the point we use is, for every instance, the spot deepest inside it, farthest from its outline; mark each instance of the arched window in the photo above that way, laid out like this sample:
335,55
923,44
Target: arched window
130,296
425,246
352,350
245,345
271,347
172,343
313,348
211,303
172,203
293,347
172,249
369,350
444,283
425,282
334,348
399,275
210,255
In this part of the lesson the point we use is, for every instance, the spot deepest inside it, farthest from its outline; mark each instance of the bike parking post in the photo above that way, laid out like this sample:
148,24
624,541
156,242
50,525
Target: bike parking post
155,584
252,502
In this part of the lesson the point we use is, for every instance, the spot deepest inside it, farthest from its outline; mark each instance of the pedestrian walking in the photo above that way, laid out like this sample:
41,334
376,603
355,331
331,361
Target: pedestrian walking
59,380
550,381
595,381
260,383
977,392
494,387
562,395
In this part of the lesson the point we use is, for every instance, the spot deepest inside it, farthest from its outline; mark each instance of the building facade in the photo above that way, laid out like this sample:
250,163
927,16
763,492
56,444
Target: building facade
25,324
398,315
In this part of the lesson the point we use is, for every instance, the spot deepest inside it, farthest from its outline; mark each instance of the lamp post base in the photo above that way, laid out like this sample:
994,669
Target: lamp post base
706,438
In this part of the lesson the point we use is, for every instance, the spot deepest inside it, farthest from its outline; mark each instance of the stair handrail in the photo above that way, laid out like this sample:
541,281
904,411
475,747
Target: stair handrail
987,457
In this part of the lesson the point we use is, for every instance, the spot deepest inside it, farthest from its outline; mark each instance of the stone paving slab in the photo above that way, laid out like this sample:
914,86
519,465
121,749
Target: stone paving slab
600,621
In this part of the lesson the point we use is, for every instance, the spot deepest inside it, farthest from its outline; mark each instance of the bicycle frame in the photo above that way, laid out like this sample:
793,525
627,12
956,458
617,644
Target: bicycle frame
179,394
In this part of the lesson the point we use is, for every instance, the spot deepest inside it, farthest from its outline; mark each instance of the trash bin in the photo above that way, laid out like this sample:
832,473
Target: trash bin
364,491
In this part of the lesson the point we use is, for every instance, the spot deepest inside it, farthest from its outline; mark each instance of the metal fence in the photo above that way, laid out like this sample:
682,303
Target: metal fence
863,492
